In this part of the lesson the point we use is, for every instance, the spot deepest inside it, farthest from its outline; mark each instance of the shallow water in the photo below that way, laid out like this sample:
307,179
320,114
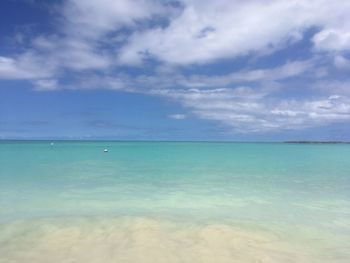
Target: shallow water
174,202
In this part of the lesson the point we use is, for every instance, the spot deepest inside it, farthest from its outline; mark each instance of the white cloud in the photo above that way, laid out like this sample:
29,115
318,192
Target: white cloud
332,39
71,53
95,34
46,84
94,18
82,40
94,39
172,78
246,110
178,116
48,56
25,66
239,28
341,62
290,69
328,87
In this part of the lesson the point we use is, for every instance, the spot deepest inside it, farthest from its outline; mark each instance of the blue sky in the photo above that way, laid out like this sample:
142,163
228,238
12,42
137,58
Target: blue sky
175,70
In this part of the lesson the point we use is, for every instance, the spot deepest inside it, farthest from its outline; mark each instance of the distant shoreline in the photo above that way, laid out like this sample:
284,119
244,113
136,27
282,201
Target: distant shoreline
317,142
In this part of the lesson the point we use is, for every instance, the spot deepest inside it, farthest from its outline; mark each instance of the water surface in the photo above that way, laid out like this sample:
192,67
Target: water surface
174,202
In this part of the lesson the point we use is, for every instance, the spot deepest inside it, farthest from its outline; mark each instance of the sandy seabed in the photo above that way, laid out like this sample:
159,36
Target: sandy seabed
138,240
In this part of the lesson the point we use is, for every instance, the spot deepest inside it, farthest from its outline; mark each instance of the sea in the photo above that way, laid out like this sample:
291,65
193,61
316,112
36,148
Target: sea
172,202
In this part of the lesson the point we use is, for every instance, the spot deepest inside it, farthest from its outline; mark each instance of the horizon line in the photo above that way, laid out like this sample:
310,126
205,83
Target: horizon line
208,141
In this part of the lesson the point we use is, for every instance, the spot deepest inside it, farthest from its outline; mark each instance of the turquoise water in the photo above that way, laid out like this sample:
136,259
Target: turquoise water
208,202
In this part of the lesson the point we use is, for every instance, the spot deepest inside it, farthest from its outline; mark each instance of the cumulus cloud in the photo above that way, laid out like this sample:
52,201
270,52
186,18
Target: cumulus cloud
46,84
287,70
89,32
332,39
248,111
177,116
329,87
101,34
173,79
94,18
341,62
25,66
97,42
239,28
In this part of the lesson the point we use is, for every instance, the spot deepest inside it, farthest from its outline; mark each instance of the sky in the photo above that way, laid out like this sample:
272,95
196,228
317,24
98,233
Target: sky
258,70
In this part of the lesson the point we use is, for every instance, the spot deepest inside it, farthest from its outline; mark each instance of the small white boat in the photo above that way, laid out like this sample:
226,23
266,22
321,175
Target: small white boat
105,150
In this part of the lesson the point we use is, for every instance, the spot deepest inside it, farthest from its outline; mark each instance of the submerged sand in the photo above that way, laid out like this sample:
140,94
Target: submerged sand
137,240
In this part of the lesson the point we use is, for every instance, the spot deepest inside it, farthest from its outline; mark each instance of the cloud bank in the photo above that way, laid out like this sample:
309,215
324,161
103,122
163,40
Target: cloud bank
179,50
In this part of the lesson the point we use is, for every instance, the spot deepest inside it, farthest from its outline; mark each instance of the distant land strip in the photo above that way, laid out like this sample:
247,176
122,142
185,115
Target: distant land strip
319,142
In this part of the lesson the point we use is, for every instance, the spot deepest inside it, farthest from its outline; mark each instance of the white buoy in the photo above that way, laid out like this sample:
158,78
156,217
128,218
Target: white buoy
105,150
